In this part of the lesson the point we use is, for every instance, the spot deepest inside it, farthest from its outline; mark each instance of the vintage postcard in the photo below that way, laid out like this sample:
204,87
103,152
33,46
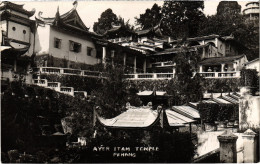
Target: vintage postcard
130,81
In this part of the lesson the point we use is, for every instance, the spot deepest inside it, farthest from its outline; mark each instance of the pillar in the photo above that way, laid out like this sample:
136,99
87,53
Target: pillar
203,52
222,67
201,68
144,66
124,59
228,152
235,66
135,64
112,57
15,65
104,56
250,146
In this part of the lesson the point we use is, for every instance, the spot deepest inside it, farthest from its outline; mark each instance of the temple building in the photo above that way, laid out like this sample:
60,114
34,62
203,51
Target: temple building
64,41
160,51
17,40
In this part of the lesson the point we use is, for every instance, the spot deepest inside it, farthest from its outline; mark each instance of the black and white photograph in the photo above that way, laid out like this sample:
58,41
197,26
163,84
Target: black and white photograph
130,81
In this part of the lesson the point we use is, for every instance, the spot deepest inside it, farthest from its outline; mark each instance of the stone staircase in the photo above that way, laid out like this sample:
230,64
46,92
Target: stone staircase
57,87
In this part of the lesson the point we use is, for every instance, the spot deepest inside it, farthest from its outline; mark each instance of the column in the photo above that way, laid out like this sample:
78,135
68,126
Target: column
124,58
235,66
203,52
250,146
222,67
104,56
15,65
201,68
135,64
112,57
144,66
228,152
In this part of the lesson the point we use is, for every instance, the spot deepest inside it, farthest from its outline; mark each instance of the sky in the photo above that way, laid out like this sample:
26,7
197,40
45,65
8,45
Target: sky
90,11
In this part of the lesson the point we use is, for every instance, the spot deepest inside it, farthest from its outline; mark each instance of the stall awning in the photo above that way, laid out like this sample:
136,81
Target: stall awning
221,101
149,93
177,119
187,111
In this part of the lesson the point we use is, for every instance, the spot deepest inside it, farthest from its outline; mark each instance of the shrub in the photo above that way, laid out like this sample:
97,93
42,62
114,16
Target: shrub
210,112
249,78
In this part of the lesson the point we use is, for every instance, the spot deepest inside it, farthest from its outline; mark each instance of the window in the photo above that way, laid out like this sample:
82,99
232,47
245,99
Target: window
75,47
24,32
14,28
57,43
89,51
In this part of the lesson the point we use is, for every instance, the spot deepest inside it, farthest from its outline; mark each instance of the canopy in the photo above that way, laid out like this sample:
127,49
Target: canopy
143,117
149,93
133,117
187,111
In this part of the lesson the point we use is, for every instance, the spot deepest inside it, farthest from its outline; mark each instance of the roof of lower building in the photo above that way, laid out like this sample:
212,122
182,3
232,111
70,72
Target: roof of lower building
220,60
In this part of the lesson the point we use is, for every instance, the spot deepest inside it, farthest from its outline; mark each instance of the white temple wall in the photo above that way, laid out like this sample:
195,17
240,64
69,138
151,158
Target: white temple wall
18,32
42,40
64,51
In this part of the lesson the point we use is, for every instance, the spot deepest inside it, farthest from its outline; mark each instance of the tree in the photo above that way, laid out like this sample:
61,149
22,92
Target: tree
150,18
183,87
182,18
126,24
114,93
228,7
105,21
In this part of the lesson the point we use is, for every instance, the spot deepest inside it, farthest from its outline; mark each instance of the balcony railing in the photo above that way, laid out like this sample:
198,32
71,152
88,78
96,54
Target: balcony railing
231,74
67,71
163,64
149,76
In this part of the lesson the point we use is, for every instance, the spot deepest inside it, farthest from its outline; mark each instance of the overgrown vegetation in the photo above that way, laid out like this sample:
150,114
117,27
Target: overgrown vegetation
210,112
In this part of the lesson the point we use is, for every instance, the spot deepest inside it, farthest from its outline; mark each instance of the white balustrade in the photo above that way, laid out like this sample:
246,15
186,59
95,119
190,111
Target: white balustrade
231,74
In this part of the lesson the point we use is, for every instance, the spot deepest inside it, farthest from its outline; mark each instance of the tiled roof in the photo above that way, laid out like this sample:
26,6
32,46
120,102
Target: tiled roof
133,117
148,93
177,119
142,117
176,50
220,60
187,111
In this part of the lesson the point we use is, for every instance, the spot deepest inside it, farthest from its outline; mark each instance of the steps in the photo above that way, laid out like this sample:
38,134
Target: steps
58,88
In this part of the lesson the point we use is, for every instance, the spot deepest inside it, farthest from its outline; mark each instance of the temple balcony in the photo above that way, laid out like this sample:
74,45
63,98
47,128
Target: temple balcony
163,64
68,71
150,76
228,74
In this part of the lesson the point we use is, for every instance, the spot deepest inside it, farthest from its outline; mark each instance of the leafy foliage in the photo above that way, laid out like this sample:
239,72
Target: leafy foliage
183,87
105,21
228,7
210,112
150,18
114,93
249,78
182,18
23,117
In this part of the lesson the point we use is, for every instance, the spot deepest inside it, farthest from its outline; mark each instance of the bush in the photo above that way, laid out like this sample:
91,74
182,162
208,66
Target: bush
210,112
249,78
